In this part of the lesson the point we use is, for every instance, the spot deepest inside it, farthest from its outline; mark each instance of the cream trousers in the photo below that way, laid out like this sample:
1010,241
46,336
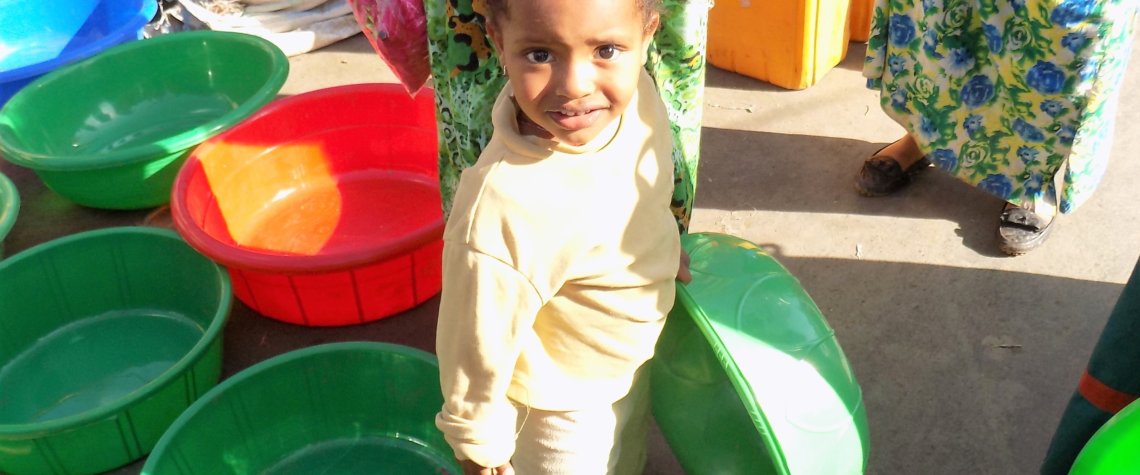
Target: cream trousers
608,440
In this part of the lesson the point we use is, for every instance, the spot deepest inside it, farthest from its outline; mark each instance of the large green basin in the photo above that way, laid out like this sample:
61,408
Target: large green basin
106,336
346,408
111,131
748,376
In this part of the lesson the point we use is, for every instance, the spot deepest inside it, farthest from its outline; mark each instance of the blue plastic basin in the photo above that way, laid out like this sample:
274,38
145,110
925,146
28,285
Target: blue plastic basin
39,36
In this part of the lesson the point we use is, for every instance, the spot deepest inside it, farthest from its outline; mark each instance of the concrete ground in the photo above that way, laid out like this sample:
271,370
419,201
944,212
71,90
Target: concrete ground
966,358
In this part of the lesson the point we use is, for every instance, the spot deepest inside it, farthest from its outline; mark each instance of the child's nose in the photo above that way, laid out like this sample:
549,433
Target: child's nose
579,79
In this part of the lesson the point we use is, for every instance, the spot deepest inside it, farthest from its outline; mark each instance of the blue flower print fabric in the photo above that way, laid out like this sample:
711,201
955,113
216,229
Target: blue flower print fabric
1006,95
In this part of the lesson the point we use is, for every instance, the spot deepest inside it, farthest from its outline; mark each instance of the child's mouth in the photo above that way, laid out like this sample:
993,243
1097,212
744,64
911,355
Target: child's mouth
573,120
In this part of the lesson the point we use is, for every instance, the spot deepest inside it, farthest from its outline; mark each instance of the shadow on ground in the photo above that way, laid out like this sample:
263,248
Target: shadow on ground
1004,371
804,173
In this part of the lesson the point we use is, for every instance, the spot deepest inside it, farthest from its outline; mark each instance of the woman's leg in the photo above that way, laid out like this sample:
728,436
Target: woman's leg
905,151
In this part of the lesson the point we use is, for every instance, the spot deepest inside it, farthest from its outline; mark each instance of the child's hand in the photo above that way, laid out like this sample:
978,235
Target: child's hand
683,273
472,468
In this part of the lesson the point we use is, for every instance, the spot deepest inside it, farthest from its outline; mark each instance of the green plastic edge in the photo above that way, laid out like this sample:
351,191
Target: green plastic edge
1106,452
169,145
9,208
743,389
192,357
266,365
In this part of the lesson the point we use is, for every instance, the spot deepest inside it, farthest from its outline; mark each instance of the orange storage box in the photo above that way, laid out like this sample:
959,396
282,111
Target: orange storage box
789,43
859,19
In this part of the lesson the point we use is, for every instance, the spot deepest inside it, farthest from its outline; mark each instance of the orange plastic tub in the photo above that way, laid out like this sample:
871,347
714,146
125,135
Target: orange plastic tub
789,43
324,206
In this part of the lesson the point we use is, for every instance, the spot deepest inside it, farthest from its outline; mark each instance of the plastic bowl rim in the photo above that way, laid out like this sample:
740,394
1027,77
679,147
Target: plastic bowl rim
743,388
9,205
245,258
275,79
138,20
727,362
266,365
209,336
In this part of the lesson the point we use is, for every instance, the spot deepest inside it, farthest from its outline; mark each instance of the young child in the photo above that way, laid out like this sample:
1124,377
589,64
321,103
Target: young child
560,253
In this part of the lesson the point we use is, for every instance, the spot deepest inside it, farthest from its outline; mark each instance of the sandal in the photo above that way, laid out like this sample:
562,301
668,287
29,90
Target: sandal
881,176
1021,230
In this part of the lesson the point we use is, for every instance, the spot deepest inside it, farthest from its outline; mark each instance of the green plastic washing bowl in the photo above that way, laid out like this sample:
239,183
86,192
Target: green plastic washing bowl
1115,448
748,376
112,130
9,208
106,336
343,408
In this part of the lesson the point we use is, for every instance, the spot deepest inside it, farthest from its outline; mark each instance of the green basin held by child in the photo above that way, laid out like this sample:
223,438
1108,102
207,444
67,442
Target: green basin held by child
748,376
344,408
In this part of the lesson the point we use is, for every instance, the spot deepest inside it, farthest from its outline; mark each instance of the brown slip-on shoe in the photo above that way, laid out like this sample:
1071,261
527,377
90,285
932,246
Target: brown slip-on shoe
882,175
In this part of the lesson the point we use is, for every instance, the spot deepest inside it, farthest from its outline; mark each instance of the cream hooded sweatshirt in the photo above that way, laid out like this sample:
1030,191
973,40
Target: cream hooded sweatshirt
558,270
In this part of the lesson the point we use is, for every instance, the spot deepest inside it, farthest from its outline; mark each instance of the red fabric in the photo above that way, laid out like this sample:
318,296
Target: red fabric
397,30
1102,396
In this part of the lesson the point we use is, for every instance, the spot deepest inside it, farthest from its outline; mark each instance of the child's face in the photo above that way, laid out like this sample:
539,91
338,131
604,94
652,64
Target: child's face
573,64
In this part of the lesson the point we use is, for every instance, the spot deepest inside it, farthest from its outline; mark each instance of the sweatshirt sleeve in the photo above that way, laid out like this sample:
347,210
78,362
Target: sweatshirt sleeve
485,307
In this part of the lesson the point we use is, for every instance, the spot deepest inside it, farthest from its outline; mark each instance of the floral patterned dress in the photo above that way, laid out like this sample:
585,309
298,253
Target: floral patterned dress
1006,94
467,78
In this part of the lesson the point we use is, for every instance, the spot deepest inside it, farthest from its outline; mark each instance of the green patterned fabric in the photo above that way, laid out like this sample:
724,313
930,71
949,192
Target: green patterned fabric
467,78
1006,94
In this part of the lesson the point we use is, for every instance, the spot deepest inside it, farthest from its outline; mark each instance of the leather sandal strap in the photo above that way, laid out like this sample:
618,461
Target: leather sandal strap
1021,218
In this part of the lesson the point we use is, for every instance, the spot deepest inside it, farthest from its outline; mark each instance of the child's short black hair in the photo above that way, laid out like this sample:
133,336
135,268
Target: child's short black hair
499,8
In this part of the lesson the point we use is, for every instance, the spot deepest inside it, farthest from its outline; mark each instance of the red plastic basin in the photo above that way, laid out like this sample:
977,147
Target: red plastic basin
324,207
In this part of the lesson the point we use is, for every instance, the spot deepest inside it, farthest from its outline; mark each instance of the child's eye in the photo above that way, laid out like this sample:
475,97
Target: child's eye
609,52
539,56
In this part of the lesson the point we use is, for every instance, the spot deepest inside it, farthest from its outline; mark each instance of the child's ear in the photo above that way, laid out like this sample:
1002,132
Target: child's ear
650,30
496,38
